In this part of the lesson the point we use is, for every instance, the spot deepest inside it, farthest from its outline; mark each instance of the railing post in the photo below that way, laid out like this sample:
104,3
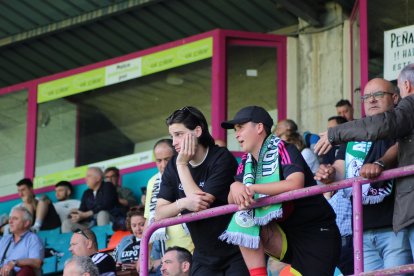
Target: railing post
358,227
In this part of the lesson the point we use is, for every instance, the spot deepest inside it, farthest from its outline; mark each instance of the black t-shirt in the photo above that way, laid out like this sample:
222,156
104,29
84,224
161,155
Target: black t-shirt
214,176
375,215
314,210
104,262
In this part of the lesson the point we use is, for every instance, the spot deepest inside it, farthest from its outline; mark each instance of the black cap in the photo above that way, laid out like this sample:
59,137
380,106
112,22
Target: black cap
255,114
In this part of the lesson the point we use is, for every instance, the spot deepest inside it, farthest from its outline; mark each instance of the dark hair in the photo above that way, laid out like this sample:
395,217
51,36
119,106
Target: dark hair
191,117
167,141
339,119
113,169
66,184
25,181
343,102
183,255
133,211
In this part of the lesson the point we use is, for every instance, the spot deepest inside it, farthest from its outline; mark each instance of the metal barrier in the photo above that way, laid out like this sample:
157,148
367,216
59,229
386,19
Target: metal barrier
356,184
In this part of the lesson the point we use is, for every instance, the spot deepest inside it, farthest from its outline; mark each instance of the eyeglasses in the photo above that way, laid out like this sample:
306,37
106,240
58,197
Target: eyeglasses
80,231
180,111
375,95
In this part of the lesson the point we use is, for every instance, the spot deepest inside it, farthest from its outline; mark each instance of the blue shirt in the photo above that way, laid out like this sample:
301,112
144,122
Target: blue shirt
341,203
29,246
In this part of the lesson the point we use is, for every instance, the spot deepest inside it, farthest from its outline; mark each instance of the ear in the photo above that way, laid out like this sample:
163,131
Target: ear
185,266
395,98
260,128
408,86
198,131
27,224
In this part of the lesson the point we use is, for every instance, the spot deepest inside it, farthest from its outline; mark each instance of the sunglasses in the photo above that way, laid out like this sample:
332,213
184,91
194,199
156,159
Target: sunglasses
80,231
185,110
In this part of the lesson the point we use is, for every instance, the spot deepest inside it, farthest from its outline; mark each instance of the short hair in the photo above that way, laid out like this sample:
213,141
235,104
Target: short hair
98,171
25,181
112,169
134,211
339,119
343,102
183,255
191,117
167,142
90,234
27,216
66,184
84,264
407,73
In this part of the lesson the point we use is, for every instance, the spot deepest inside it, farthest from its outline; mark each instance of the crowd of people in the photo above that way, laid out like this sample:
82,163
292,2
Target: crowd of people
195,174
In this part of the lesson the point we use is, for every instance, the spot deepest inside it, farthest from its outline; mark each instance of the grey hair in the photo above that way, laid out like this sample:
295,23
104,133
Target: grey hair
84,264
407,73
27,216
98,171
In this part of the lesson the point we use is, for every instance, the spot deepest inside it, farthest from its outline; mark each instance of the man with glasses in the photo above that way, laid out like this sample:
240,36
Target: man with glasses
83,243
125,196
382,247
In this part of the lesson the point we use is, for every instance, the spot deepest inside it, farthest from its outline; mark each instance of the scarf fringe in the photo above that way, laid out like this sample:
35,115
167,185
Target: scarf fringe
367,200
269,217
159,236
240,239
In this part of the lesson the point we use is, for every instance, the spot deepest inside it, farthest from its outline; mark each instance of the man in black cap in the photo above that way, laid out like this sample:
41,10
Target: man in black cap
290,231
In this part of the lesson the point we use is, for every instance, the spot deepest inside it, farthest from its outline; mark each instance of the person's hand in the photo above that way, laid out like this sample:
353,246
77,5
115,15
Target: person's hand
128,266
6,269
197,201
76,216
325,174
370,170
188,149
241,194
323,145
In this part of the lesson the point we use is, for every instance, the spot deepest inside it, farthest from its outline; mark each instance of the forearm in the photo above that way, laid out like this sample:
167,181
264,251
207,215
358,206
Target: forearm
187,180
32,262
390,157
276,188
166,209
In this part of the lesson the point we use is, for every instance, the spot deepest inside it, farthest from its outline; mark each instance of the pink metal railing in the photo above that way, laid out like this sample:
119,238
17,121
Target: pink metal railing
305,192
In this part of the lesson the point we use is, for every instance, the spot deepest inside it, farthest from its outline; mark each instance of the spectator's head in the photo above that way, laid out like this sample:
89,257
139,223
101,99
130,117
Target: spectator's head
20,220
94,177
189,120
80,266
379,96
336,120
176,262
112,175
285,128
135,221
344,108
252,125
163,152
83,243
406,81
25,189
63,190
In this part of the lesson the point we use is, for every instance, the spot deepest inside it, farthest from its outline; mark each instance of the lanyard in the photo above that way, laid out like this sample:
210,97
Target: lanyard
5,252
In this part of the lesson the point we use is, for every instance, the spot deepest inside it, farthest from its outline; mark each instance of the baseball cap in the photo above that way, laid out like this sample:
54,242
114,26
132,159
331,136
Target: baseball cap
255,114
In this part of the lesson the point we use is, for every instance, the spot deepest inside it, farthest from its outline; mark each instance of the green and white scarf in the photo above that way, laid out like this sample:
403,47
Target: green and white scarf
244,227
356,153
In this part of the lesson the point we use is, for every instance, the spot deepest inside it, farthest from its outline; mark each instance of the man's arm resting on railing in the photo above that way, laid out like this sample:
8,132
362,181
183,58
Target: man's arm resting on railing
387,161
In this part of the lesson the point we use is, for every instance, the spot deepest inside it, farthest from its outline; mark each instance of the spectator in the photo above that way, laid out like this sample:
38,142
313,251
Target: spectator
83,243
382,247
80,266
291,231
21,251
397,123
99,203
126,254
344,109
41,209
329,158
199,178
175,234
176,262
288,130
126,197
63,191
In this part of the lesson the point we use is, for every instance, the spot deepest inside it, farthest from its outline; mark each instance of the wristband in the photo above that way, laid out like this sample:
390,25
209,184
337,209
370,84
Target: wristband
380,163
